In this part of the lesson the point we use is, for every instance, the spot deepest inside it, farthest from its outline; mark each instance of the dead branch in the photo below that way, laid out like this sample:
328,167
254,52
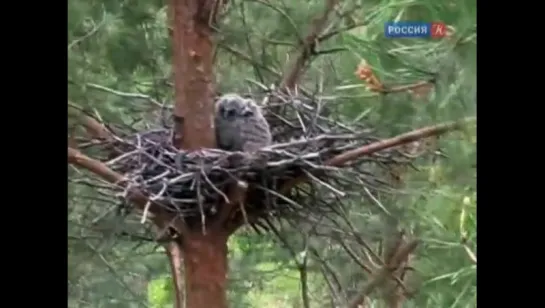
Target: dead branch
174,254
79,159
425,132
96,27
393,294
381,276
75,157
295,69
373,259
94,128
414,135
331,278
237,196
140,96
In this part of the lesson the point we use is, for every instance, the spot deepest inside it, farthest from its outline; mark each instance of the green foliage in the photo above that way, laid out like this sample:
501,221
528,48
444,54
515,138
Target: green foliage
160,292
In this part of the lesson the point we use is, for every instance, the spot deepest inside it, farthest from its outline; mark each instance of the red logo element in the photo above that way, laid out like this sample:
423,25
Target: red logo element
438,30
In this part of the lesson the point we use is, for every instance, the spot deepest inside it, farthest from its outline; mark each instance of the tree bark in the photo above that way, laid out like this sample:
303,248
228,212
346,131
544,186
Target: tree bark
193,74
205,264
205,256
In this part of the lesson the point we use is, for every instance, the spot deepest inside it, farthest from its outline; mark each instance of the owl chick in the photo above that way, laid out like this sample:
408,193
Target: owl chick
240,125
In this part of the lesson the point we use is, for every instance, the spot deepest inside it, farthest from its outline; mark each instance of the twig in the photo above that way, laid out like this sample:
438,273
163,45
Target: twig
125,94
322,183
302,266
249,59
237,196
112,270
248,41
328,35
175,258
403,88
91,125
375,200
284,14
292,74
151,199
470,254
243,187
90,33
411,136
335,286
425,132
200,203
382,274
77,158
216,189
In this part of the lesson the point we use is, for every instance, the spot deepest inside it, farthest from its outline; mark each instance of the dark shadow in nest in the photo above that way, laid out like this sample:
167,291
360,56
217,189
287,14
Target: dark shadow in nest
196,184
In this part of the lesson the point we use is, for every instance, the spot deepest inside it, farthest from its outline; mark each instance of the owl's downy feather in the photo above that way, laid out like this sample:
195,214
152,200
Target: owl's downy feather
240,125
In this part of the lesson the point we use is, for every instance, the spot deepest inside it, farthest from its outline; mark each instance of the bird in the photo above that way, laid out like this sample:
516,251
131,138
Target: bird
240,124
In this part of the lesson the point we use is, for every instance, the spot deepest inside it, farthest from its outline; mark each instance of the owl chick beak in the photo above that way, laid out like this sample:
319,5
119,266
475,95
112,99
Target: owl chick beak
247,111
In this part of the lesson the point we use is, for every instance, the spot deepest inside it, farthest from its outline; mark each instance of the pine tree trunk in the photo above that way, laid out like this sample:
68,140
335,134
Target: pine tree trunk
192,60
205,263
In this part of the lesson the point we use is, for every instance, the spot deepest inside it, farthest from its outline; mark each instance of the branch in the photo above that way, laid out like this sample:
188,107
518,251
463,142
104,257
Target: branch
382,275
334,283
291,77
411,136
332,33
348,156
301,265
174,253
247,58
414,135
159,218
125,94
303,274
403,88
470,254
237,195
94,128
93,31
395,292
75,157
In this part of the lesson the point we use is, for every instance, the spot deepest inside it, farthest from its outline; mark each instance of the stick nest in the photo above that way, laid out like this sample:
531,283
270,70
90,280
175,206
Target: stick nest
306,135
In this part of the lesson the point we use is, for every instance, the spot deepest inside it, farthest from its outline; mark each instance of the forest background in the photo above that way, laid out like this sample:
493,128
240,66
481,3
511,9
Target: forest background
120,69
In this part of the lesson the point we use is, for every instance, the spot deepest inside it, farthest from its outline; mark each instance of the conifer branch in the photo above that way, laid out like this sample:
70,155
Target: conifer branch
411,136
307,48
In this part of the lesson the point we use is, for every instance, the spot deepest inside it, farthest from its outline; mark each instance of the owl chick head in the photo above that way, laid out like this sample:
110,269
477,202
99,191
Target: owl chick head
230,106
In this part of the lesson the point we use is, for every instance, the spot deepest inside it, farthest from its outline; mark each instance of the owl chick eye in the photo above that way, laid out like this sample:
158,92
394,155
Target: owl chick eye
229,113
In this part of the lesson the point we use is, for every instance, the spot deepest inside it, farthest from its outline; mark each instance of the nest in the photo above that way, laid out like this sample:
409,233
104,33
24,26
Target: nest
197,184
